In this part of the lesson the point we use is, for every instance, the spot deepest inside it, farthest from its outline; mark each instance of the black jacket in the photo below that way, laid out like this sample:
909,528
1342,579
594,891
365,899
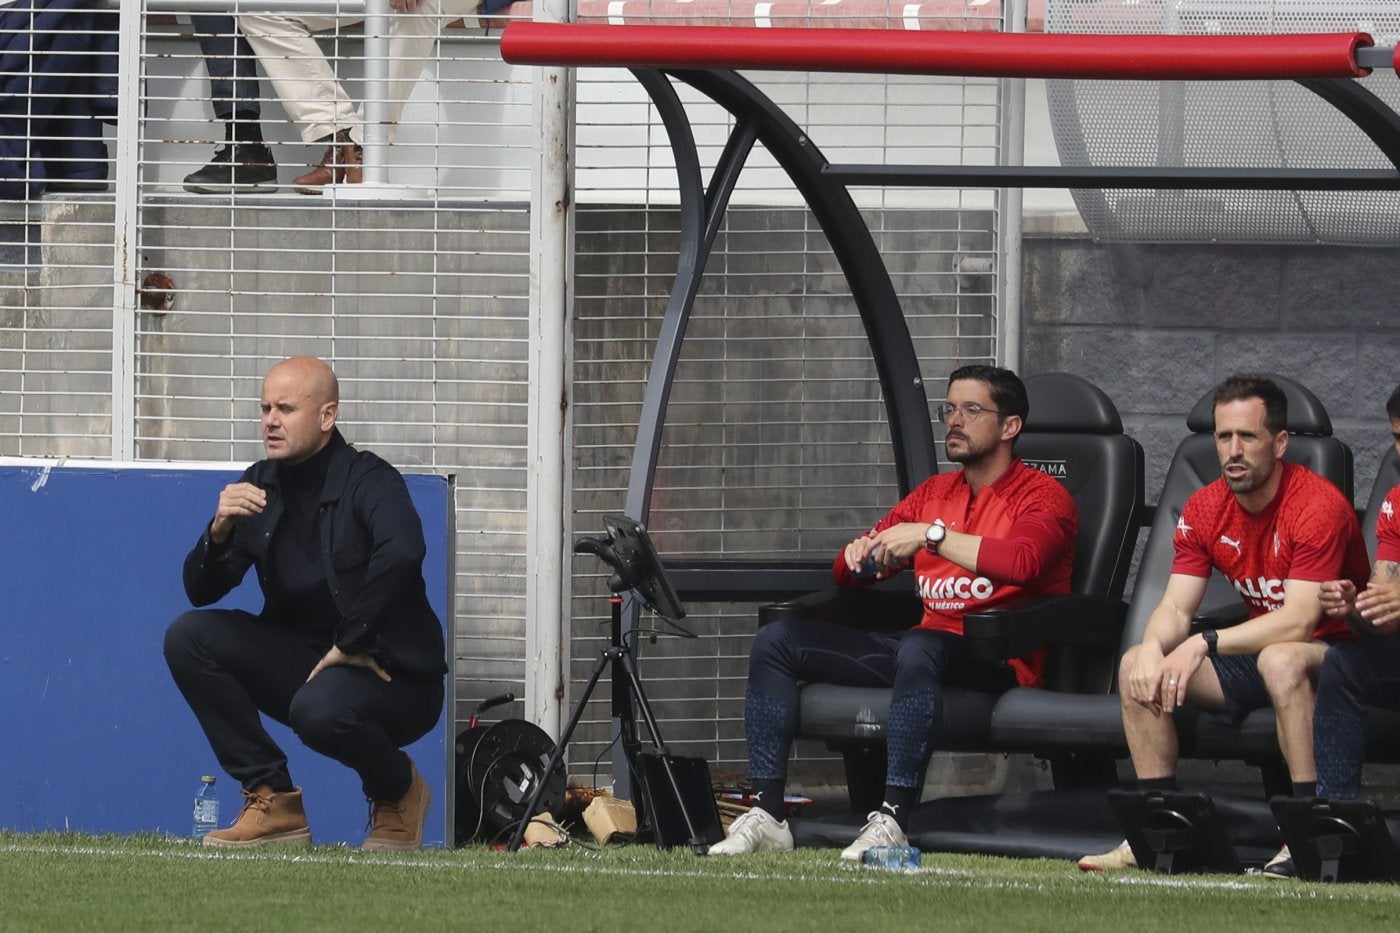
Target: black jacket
58,77
372,543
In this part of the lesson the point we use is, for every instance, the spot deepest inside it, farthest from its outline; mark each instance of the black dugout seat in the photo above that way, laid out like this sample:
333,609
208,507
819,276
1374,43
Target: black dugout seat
1073,433
1088,729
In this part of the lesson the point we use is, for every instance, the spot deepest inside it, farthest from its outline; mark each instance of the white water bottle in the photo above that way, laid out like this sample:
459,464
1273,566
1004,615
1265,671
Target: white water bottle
206,807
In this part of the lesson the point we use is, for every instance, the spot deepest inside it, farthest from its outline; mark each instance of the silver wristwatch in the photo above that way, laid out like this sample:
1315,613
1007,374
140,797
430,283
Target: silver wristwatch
934,536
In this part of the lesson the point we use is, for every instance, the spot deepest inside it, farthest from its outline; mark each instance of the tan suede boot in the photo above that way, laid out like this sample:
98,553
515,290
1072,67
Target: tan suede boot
267,818
398,826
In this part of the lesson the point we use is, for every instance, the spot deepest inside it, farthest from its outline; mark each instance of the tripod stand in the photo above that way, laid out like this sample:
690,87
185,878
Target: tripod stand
636,567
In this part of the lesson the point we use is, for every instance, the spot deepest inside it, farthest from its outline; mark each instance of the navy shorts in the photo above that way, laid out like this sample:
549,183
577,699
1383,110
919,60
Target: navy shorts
1242,685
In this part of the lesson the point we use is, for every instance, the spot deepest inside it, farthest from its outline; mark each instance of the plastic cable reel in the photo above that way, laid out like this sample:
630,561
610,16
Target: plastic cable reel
498,767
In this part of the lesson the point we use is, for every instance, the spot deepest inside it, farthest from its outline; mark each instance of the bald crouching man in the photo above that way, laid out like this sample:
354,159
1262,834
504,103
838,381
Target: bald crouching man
346,651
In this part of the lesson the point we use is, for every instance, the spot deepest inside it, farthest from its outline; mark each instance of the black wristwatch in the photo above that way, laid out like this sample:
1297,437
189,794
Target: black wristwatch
1212,642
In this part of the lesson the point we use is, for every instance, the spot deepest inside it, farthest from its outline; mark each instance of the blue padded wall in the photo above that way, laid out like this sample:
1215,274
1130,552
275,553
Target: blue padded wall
96,737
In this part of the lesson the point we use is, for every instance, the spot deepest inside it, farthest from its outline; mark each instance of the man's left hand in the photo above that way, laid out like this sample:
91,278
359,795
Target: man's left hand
337,658
1379,608
403,6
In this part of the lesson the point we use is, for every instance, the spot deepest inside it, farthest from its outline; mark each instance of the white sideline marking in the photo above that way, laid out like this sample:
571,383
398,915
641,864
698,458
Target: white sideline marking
760,15
844,874
911,16
615,17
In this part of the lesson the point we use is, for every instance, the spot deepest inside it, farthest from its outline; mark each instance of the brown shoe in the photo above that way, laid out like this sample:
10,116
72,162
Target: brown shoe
339,166
267,818
398,826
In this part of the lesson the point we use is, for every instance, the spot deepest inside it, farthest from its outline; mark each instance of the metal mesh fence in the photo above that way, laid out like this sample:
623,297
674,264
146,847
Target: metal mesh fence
137,316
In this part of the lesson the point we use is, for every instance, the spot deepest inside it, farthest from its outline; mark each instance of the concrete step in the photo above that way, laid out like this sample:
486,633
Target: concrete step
285,249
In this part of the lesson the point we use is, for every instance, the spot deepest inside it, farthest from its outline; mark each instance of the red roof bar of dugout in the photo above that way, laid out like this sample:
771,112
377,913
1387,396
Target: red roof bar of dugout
974,54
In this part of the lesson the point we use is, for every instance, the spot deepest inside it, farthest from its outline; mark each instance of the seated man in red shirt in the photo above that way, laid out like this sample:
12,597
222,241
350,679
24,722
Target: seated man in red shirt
1277,531
977,537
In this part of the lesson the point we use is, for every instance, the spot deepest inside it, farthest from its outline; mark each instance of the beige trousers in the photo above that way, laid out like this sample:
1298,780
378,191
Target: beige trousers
305,81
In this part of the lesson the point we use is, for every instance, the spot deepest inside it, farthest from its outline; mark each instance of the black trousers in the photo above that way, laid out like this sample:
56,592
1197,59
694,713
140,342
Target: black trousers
232,67
231,667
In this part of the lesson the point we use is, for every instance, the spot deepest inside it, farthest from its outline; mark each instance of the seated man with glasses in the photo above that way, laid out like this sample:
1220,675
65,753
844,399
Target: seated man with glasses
977,537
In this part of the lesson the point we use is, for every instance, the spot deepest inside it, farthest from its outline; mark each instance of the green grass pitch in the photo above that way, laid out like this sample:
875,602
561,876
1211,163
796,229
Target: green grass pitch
73,882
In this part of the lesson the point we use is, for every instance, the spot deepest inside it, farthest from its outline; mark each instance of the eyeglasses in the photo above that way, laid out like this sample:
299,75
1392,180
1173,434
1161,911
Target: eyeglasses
968,411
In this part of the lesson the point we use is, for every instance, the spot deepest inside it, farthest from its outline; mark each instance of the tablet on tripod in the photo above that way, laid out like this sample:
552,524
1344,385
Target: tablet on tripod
1337,840
1174,832
662,809
681,804
639,568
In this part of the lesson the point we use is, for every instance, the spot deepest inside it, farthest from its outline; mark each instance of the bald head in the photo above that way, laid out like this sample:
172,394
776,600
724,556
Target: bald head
300,399
315,377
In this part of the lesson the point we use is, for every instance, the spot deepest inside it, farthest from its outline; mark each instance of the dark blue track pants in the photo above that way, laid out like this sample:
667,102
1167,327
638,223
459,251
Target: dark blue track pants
916,663
1354,676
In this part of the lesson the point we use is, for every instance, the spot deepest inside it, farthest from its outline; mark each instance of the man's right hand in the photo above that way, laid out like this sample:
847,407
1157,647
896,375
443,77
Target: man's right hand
1144,684
237,501
1338,597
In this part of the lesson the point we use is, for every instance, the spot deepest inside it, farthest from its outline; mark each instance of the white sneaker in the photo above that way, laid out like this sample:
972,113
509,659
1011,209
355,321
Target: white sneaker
755,831
1113,860
1281,866
880,830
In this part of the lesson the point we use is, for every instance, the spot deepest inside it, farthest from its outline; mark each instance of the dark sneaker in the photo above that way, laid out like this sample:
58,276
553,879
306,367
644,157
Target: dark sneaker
235,166
1281,865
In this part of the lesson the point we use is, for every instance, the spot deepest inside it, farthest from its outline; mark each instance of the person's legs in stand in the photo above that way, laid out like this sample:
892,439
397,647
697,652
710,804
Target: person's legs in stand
309,91
243,161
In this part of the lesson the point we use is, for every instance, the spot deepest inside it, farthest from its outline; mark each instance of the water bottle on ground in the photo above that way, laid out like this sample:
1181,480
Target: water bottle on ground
206,807
891,858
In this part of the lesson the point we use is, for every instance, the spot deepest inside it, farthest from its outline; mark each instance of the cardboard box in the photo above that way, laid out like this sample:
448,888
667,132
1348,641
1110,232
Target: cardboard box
607,817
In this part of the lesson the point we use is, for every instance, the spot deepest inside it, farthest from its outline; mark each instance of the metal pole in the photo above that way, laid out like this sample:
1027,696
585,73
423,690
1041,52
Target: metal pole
376,130
126,257
548,499
1013,152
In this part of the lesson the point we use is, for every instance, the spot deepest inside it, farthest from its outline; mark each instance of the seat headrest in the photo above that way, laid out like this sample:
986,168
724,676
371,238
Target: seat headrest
1305,412
1062,403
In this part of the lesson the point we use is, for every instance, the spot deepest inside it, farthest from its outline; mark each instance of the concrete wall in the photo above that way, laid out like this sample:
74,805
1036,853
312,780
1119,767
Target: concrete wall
1157,326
